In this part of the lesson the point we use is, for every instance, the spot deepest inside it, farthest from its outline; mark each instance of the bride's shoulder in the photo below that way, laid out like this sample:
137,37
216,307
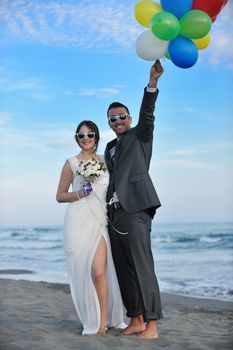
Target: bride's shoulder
74,162
101,157
74,159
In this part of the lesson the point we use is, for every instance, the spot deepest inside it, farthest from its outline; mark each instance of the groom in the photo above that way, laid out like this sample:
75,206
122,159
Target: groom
133,205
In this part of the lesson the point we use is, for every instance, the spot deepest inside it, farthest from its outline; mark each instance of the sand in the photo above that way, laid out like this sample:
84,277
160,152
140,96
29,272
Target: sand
39,315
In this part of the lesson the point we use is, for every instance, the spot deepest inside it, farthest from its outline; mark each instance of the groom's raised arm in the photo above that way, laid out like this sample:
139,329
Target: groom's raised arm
145,124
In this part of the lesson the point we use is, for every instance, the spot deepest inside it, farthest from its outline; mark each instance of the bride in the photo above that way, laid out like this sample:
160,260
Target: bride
93,282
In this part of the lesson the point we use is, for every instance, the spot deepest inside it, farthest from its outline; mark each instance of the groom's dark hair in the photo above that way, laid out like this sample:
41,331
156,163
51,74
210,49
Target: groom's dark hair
115,105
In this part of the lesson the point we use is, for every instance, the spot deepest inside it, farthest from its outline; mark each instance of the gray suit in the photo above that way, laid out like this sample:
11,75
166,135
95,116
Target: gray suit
132,182
130,179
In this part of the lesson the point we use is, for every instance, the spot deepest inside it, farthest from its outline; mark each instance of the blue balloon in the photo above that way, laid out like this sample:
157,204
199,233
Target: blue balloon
177,7
183,52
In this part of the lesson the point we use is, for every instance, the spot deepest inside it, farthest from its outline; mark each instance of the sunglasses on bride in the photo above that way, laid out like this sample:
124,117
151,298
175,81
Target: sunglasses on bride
89,135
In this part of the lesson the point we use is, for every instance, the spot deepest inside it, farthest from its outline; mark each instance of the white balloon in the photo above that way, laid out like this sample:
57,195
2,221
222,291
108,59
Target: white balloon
149,47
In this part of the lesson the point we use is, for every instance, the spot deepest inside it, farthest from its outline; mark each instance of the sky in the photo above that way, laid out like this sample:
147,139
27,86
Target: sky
64,61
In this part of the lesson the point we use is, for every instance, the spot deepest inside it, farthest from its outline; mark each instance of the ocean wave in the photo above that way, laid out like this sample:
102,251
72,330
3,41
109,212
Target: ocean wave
29,230
194,260
49,239
169,239
47,229
209,239
15,272
24,236
191,240
198,290
29,245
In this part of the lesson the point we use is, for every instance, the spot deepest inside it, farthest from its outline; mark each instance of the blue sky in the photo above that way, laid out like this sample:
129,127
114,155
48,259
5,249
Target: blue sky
64,61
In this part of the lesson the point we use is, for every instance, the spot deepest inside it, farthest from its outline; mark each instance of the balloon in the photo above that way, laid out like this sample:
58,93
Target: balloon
183,52
211,7
144,10
150,48
195,24
213,19
165,25
167,55
202,43
177,7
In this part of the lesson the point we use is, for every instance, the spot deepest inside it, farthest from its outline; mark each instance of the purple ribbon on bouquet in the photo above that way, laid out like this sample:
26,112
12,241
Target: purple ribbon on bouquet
87,188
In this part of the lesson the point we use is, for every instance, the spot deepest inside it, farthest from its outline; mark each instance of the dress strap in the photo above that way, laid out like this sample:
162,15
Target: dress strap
73,164
101,157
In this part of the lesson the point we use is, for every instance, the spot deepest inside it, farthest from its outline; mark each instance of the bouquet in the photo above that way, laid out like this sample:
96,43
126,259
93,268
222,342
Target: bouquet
90,169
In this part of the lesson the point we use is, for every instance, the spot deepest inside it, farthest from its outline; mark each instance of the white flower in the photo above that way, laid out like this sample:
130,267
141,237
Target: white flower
87,172
91,168
95,167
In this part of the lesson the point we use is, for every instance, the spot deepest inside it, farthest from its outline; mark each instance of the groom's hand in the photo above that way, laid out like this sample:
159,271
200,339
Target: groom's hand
155,73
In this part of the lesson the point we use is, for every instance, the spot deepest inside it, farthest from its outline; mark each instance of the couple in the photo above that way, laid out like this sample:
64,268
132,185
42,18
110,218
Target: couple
108,266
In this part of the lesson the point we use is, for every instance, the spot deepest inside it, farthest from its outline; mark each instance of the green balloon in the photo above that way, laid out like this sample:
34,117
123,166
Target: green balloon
167,55
164,25
195,24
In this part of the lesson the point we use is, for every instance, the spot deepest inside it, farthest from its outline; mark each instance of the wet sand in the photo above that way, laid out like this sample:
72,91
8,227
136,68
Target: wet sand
41,316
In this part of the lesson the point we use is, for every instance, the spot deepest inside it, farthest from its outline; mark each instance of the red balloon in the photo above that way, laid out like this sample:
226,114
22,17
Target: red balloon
213,19
211,7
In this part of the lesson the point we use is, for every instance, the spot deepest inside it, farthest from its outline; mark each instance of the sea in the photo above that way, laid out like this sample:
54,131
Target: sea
192,259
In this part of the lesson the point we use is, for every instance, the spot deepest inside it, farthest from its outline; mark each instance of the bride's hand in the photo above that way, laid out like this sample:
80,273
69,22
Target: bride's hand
87,188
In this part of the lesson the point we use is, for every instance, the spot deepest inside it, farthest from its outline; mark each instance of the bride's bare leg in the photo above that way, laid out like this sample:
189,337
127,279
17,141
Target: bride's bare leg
100,282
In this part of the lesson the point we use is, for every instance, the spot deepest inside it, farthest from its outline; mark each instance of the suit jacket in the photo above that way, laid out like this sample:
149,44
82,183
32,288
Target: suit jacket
129,175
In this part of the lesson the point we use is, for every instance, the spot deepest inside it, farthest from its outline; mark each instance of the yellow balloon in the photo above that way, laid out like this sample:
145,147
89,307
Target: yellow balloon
203,42
145,10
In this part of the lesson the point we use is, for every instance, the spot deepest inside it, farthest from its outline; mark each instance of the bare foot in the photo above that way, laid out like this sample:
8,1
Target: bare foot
148,335
133,329
136,325
151,331
102,331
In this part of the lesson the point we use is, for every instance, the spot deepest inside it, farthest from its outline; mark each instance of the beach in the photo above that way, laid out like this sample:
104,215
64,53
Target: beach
41,316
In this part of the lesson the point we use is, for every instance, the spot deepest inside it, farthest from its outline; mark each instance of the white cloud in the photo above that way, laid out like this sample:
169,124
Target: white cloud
5,117
105,25
101,92
196,111
185,164
34,88
221,48
98,92
37,139
189,152
202,149
44,138
39,88
201,157
85,24
191,111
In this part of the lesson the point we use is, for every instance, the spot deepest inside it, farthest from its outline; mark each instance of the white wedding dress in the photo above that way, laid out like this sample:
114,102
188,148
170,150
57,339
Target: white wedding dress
85,224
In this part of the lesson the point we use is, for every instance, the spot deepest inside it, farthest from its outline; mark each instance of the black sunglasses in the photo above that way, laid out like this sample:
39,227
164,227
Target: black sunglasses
89,134
122,116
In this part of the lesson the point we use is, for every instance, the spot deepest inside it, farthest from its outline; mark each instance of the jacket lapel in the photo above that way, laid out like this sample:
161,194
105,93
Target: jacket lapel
118,146
108,159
